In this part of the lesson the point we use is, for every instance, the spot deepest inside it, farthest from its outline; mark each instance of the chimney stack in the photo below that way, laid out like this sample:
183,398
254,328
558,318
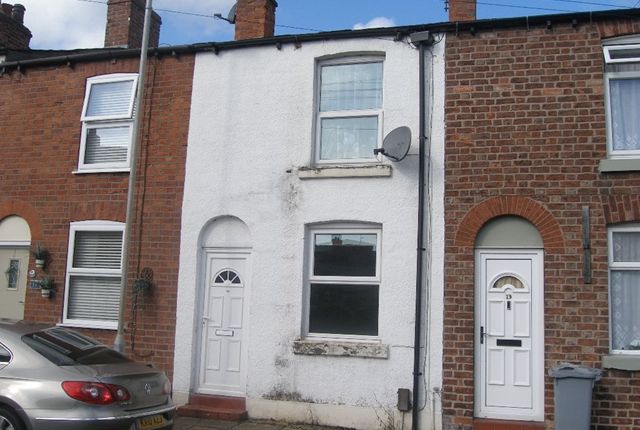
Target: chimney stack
462,10
13,33
125,24
255,19
17,13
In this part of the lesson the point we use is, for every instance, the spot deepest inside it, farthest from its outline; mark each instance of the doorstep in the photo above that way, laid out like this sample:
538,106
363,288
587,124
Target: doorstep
489,424
212,407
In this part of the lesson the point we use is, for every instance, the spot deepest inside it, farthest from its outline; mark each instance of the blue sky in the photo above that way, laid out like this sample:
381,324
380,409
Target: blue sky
295,16
67,24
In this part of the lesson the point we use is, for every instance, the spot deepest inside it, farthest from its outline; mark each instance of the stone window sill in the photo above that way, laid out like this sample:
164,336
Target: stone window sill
621,362
320,172
341,349
619,165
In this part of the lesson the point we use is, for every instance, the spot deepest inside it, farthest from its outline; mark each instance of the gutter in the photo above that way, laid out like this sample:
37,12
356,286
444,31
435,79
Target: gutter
397,32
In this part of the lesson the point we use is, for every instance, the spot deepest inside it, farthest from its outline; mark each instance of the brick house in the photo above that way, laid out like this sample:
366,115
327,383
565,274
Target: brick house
64,179
543,210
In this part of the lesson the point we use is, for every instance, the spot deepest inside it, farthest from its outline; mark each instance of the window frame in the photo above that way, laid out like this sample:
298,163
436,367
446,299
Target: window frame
620,153
620,47
338,114
619,266
10,355
106,121
618,44
93,226
343,280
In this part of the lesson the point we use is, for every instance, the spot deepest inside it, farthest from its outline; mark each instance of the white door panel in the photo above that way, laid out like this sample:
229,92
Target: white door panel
222,368
510,354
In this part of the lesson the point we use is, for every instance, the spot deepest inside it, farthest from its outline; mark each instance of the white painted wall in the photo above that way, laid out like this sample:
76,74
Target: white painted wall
251,126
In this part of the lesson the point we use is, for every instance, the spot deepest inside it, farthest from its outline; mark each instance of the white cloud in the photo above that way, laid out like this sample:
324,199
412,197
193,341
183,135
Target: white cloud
71,24
379,21
65,24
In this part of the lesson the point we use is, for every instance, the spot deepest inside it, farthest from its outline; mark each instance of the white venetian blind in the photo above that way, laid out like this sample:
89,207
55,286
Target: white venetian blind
97,250
93,298
107,144
110,99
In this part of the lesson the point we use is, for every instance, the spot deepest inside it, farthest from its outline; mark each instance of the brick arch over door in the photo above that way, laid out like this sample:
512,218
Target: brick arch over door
524,207
26,212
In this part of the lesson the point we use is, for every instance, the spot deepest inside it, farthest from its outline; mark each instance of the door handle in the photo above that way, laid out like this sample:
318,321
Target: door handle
482,334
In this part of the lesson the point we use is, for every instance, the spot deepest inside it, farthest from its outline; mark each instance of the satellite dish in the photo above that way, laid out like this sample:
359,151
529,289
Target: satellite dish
231,18
396,144
232,14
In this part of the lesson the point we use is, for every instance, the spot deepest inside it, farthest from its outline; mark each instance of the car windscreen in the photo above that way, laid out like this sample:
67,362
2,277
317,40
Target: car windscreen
65,347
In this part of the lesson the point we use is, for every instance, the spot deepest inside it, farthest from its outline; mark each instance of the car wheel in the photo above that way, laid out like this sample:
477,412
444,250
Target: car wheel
9,420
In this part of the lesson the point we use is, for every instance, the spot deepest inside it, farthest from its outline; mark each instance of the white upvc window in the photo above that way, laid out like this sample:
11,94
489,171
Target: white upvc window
622,93
348,110
343,282
624,289
94,273
107,123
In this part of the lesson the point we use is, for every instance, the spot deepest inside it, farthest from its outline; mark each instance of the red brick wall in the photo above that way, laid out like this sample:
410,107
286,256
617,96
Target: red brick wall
40,133
255,19
462,10
125,24
13,35
525,132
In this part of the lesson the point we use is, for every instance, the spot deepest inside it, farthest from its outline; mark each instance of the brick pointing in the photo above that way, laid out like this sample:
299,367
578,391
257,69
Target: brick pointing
255,19
13,34
462,10
125,23
40,129
525,133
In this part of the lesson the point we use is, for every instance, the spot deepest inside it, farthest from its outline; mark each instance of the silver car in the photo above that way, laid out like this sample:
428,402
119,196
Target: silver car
55,378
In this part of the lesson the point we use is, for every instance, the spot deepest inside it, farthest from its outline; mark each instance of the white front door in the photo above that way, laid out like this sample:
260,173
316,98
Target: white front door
13,287
222,370
509,335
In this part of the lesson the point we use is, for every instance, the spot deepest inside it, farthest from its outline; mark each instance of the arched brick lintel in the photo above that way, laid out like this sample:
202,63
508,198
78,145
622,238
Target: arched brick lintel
524,207
26,212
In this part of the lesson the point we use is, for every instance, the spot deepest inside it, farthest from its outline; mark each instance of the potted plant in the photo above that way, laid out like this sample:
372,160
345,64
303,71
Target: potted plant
46,286
40,255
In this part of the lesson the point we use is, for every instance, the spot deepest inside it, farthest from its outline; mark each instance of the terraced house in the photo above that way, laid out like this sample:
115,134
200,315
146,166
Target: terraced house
542,213
401,227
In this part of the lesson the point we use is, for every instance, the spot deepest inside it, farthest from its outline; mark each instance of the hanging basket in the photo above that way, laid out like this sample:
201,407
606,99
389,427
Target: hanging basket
39,263
45,293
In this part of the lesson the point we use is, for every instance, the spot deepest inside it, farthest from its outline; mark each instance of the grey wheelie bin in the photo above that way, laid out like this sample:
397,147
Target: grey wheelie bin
573,387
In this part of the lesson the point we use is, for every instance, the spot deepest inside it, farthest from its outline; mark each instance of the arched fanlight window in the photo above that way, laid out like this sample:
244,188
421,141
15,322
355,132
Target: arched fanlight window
227,277
507,280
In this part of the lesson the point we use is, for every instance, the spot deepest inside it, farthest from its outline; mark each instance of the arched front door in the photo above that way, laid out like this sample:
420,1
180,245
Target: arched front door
509,321
222,308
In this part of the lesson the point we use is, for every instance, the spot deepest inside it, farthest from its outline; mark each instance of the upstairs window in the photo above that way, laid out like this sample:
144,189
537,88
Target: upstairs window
107,123
349,110
624,289
94,271
343,282
622,90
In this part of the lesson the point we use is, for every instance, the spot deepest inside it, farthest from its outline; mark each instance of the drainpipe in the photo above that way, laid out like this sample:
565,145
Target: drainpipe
118,343
420,38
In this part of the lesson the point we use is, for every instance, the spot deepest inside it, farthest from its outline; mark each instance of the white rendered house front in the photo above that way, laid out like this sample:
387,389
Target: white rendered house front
298,244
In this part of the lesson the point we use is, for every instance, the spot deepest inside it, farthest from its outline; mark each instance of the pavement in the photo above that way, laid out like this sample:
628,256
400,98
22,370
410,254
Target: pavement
186,423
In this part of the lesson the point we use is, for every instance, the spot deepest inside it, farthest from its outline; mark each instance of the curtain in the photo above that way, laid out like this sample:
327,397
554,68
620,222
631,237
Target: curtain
625,113
625,292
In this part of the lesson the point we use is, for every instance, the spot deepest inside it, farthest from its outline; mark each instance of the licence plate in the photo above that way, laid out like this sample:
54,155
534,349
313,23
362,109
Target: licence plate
152,422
